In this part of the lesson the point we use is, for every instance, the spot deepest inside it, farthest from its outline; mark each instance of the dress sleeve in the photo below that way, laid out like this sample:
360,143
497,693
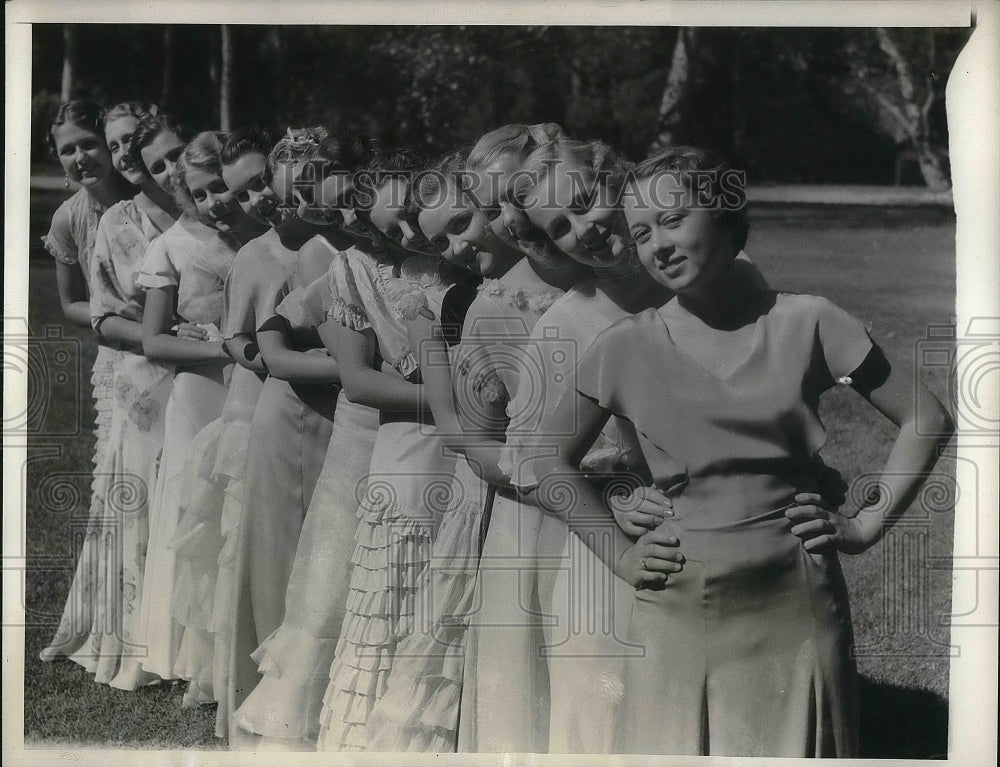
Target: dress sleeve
346,303
306,307
158,270
844,339
59,241
601,368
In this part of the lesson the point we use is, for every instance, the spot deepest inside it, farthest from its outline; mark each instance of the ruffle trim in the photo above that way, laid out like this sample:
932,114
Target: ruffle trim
59,253
286,703
419,710
349,315
390,563
519,298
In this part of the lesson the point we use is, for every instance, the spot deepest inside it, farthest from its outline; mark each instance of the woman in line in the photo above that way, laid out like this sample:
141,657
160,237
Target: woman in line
410,478
183,274
294,660
747,628
206,534
98,628
291,423
421,708
76,139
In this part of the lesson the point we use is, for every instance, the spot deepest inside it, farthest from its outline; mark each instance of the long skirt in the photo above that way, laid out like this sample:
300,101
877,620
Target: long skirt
99,627
295,659
196,399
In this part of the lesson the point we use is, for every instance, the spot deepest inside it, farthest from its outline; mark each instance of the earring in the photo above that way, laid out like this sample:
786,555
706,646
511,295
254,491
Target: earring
66,184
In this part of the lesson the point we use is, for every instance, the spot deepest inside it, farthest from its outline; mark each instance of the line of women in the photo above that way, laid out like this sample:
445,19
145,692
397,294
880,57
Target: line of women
511,450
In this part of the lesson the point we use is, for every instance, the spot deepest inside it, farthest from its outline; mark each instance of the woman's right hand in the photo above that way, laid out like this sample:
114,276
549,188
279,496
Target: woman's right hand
639,511
649,562
191,331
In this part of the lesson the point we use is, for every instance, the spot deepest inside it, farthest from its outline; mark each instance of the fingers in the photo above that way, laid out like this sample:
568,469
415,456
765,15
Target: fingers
660,535
630,529
806,512
651,497
812,528
642,520
813,499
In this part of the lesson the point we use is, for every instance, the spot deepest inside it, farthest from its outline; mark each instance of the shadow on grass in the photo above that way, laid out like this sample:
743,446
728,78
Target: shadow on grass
902,723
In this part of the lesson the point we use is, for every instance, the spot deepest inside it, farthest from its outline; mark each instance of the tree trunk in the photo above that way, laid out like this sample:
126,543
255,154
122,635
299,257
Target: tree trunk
69,62
671,110
226,80
167,90
914,114
214,54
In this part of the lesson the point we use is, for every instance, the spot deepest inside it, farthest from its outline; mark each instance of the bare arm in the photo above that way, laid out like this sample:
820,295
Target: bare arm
564,491
72,288
361,381
289,364
891,391
160,346
245,352
128,333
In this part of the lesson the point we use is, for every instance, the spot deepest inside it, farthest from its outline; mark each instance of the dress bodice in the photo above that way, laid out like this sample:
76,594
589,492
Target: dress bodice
195,259
753,435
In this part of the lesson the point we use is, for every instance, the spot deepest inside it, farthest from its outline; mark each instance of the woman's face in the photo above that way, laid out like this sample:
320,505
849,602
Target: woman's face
82,153
214,202
387,214
579,215
118,134
493,191
160,158
462,235
680,245
245,177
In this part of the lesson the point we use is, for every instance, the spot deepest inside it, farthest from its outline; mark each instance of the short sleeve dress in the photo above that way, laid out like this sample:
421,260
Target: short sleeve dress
748,649
70,240
294,661
100,624
407,494
289,434
194,259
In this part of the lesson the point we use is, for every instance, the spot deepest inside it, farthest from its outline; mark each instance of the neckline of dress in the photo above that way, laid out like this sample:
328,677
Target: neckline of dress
520,298
755,344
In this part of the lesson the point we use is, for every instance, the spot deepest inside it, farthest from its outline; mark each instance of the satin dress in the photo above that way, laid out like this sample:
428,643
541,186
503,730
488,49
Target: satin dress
748,648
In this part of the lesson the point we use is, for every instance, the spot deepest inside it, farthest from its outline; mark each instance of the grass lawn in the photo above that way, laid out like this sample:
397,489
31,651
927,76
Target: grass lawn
893,267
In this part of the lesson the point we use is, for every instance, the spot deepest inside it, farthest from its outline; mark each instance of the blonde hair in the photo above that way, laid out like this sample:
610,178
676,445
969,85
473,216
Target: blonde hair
202,152
515,139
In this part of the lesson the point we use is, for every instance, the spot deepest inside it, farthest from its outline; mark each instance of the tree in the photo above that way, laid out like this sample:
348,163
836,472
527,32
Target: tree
69,62
675,90
894,71
226,81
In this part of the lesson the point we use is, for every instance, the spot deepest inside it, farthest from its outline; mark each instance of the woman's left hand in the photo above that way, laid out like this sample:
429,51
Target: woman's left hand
821,526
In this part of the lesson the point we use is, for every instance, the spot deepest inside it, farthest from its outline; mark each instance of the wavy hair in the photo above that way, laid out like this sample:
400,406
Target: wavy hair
203,152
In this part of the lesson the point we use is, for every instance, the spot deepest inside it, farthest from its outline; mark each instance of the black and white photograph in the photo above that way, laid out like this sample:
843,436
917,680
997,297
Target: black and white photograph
617,381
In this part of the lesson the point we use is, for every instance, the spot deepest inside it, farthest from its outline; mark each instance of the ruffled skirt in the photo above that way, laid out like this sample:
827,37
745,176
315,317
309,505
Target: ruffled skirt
99,626
295,659
419,711
408,493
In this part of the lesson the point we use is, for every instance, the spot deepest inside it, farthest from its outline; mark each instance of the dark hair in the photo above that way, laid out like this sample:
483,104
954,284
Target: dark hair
86,114
433,181
252,139
726,189
202,152
384,167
